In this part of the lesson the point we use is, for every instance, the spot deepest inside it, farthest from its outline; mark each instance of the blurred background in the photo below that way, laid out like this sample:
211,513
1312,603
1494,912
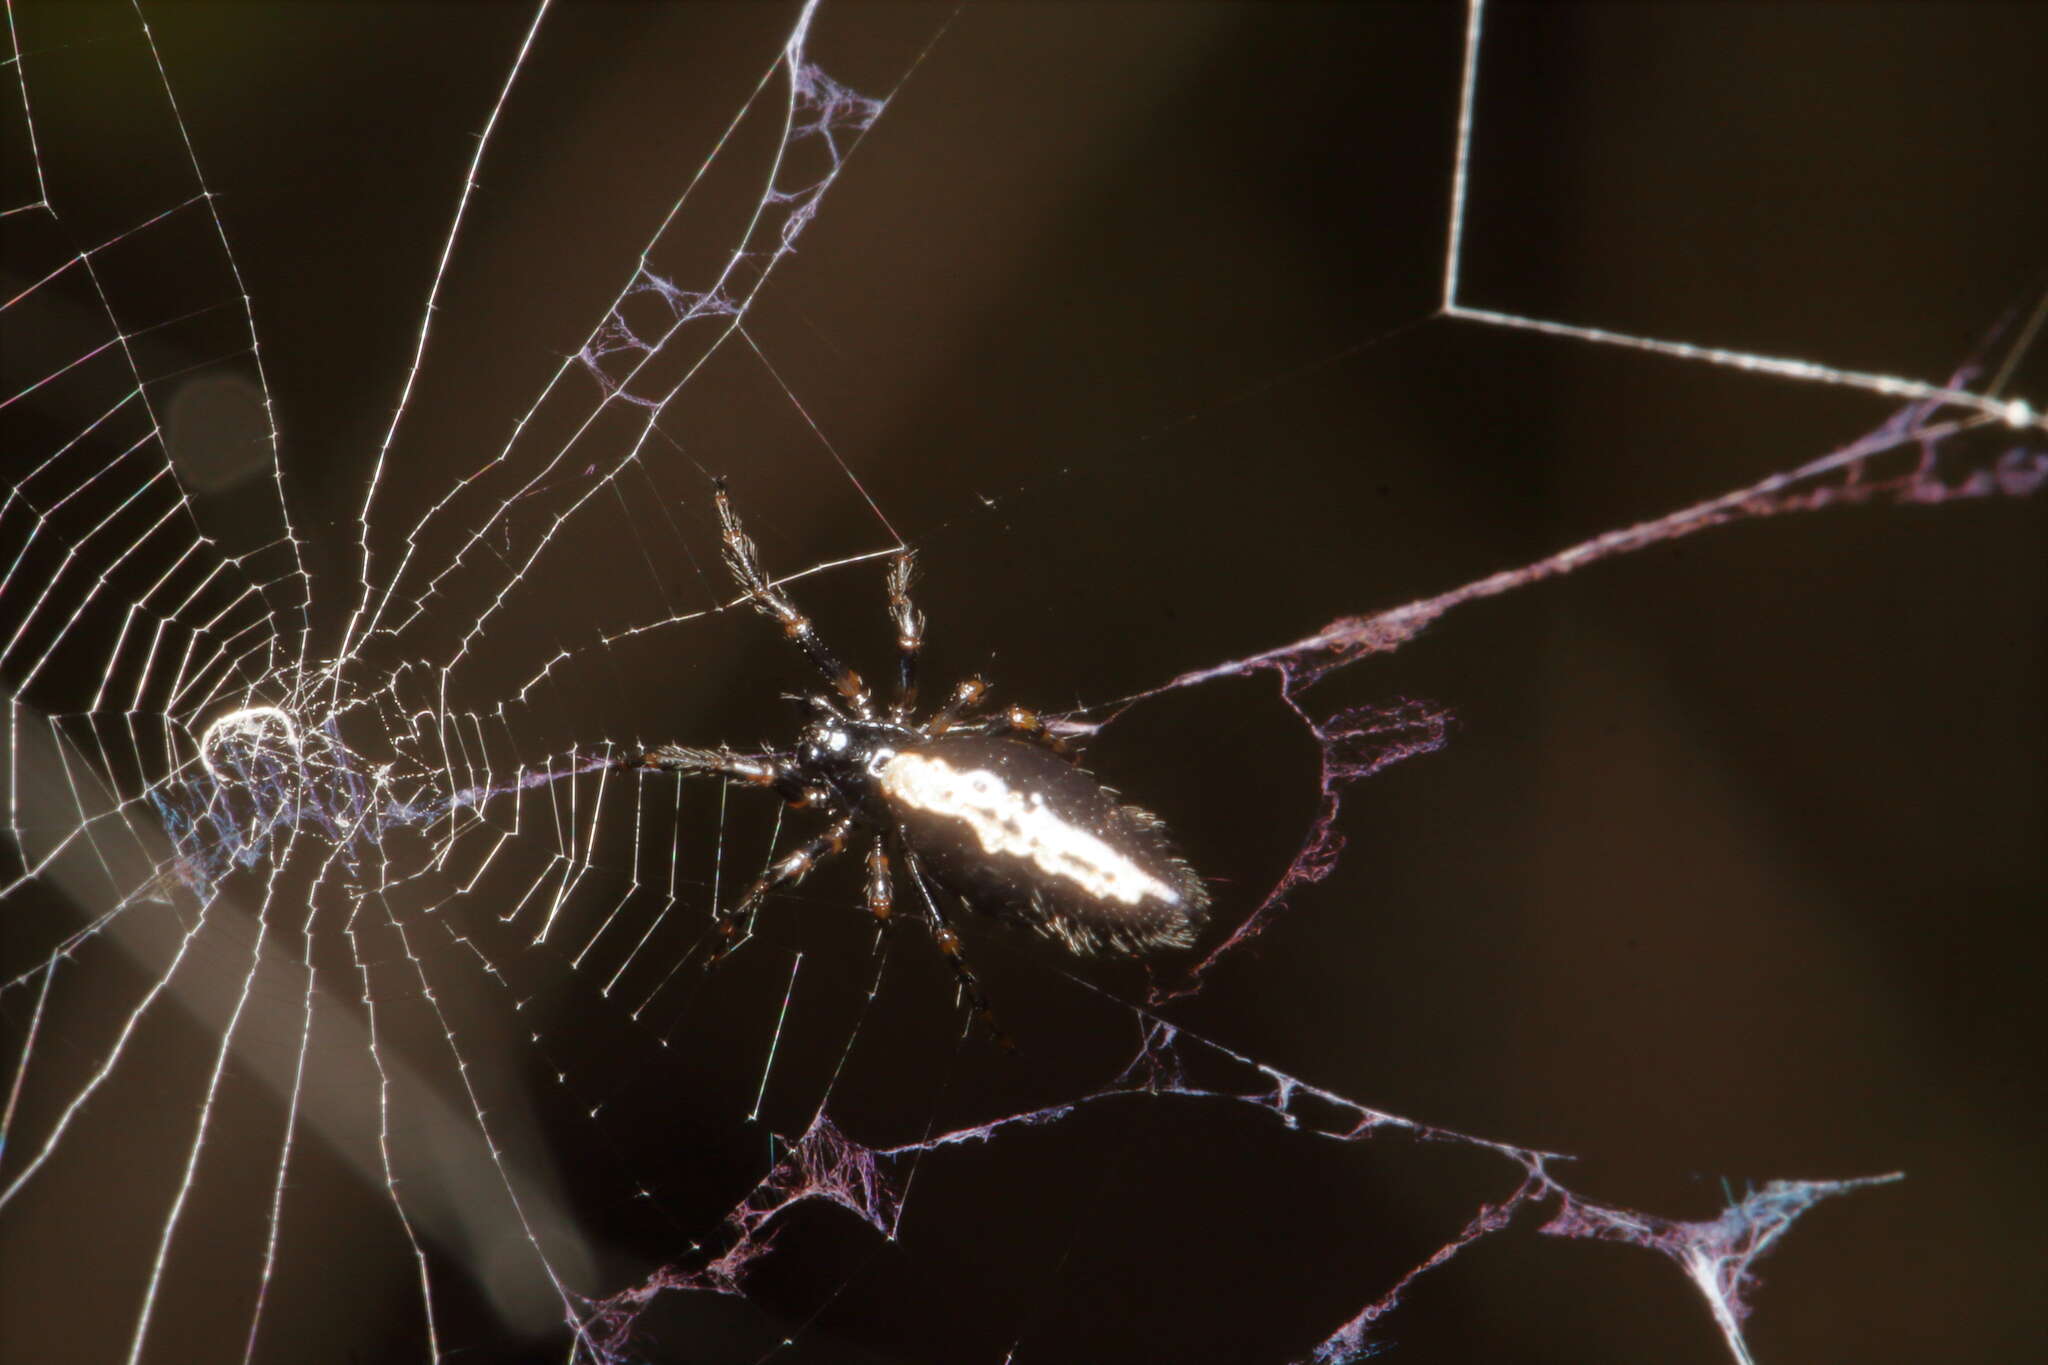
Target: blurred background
1121,315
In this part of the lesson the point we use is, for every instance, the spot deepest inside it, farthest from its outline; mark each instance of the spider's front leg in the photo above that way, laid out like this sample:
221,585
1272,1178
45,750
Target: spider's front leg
775,771
787,870
743,558
909,622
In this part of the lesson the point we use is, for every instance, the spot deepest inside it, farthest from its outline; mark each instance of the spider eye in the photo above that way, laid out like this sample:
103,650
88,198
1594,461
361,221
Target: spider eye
823,743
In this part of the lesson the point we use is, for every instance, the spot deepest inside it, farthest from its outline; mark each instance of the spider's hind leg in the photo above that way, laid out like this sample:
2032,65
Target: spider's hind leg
881,889
948,941
1025,723
1020,722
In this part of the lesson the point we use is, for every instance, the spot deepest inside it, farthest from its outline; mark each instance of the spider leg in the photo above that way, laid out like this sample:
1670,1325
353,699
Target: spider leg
743,558
1020,721
771,770
1026,723
786,870
965,696
881,895
948,942
909,635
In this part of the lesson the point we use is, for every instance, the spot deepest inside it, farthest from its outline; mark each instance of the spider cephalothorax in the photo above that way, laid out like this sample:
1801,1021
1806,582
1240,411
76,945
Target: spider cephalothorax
986,809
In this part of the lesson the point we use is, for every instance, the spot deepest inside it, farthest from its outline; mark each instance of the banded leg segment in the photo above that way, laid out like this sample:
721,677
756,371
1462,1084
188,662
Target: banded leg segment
1028,724
948,942
881,892
909,623
775,771
1022,721
785,871
743,558
965,698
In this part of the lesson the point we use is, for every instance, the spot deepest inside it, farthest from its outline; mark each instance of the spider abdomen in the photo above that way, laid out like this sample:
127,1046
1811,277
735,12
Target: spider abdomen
1017,832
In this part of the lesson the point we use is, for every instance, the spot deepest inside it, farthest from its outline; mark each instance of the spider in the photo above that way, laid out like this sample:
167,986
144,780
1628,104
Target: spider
988,810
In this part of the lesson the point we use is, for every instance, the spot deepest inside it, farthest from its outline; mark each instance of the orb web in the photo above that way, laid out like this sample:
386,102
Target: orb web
353,992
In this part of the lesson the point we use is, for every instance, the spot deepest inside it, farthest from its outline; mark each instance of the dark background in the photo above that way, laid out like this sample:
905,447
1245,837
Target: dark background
1732,871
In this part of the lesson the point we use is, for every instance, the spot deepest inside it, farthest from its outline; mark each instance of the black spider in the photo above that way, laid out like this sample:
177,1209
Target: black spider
990,808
